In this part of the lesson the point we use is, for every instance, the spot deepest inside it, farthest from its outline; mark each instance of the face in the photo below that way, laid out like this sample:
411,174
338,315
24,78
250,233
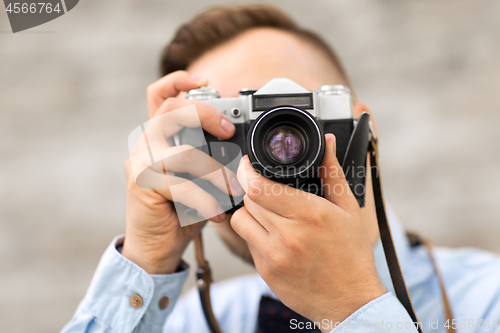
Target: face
250,61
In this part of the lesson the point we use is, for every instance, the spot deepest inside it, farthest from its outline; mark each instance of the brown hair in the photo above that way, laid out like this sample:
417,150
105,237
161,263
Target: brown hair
220,24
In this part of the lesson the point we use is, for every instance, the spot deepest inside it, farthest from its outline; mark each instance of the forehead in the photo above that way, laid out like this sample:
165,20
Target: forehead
253,58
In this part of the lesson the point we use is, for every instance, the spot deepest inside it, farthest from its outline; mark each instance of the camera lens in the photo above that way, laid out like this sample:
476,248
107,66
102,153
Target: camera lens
285,144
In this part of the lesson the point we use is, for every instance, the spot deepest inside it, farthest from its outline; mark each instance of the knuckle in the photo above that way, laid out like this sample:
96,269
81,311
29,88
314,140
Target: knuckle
293,244
186,156
203,114
169,104
208,203
237,217
316,219
324,216
292,241
277,261
179,72
207,112
185,147
254,192
150,89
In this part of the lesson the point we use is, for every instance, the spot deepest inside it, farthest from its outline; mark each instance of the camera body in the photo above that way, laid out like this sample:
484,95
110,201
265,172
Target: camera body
282,128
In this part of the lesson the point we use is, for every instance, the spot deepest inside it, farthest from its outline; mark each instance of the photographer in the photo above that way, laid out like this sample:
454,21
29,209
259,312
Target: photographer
320,257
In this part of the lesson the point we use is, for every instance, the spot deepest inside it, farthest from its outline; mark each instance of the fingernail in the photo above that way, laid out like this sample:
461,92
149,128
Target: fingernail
227,126
330,137
235,185
220,213
199,80
246,160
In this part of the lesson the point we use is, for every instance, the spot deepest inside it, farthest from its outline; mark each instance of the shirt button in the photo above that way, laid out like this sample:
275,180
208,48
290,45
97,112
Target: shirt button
136,301
164,302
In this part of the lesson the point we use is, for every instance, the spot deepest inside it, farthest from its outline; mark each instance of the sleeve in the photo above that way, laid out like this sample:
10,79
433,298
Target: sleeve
123,298
383,314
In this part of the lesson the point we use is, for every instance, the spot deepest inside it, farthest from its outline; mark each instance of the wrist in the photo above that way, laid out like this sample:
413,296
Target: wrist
150,259
350,303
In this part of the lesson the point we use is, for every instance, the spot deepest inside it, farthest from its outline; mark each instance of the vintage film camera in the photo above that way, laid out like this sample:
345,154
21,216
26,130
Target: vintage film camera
282,128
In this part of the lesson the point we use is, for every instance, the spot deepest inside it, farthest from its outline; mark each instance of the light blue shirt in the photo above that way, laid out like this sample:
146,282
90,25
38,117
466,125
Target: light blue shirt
471,277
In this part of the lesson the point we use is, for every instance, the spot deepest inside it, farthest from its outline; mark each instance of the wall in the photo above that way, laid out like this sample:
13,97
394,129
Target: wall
73,89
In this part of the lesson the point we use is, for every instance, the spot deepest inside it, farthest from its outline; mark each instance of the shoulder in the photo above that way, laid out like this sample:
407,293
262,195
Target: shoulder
468,266
470,276
472,279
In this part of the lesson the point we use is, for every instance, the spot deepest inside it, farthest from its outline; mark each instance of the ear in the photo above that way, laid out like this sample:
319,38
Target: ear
358,108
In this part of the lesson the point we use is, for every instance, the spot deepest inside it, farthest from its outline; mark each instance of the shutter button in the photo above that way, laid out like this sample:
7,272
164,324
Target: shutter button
164,302
136,301
246,92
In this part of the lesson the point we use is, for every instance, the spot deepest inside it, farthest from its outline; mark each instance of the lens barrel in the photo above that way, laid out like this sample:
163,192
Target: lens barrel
286,144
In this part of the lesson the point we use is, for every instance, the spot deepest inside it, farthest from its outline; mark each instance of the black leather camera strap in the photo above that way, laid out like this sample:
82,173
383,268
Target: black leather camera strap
204,274
386,236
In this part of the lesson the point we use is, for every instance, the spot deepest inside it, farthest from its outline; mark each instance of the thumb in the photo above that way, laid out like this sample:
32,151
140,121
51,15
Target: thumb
335,187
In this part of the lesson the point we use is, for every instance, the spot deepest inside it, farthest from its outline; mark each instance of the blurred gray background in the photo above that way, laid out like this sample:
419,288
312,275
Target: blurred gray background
73,89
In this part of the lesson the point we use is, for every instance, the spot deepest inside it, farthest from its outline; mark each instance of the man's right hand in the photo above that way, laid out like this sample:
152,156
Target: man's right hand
154,238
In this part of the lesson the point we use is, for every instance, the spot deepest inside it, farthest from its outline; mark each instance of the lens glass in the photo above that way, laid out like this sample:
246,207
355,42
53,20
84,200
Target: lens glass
285,144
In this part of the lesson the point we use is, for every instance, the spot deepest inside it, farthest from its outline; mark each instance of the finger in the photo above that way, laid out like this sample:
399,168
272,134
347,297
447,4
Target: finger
160,157
170,86
183,191
176,113
176,189
276,197
264,216
249,228
335,187
187,159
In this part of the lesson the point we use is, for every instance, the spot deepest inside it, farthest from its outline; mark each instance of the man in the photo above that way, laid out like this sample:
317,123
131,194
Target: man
321,257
